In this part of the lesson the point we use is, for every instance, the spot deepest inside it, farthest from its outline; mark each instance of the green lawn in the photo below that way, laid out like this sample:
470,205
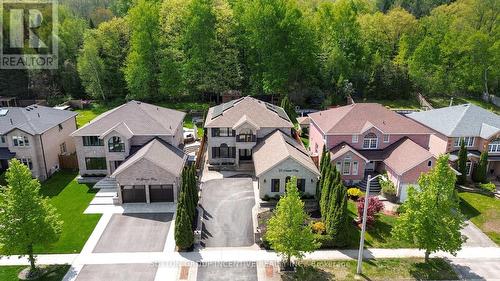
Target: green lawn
484,212
86,115
70,199
410,103
381,269
9,273
378,236
439,102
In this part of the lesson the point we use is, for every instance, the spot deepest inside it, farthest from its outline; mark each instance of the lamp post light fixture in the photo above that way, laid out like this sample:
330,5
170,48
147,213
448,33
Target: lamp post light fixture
363,225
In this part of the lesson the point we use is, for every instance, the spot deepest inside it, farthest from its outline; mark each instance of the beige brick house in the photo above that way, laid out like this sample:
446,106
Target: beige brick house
138,145
36,135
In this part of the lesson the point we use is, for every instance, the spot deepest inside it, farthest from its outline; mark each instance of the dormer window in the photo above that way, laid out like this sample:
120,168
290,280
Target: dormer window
115,144
370,141
386,138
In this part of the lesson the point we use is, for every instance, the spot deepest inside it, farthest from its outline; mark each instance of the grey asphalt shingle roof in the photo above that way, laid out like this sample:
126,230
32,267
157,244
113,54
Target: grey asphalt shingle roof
135,118
157,153
262,114
34,119
277,147
460,120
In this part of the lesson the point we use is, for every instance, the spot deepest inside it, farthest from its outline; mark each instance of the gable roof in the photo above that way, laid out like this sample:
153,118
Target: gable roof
406,155
460,121
276,148
33,119
160,154
261,113
357,118
342,148
138,118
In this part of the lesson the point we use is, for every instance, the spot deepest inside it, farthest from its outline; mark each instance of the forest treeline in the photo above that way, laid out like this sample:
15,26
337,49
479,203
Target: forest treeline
314,51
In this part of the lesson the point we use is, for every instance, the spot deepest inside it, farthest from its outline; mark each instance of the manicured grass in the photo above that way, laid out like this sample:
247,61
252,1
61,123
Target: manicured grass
86,115
381,269
70,199
379,235
439,102
483,211
410,103
305,141
9,273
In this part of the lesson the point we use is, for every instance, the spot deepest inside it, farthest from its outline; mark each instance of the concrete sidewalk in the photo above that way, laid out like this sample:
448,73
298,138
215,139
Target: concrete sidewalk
241,255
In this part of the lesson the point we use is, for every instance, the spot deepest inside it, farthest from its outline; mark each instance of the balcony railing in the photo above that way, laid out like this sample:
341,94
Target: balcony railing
246,138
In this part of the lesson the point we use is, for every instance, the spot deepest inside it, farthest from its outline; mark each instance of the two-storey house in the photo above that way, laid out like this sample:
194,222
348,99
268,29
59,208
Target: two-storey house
367,138
36,135
137,144
477,127
249,134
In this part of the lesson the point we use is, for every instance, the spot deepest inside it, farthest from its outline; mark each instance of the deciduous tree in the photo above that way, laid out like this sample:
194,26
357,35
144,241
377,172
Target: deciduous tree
431,218
26,218
287,232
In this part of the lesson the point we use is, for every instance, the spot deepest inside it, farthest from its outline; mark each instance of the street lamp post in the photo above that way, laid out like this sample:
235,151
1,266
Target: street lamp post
363,225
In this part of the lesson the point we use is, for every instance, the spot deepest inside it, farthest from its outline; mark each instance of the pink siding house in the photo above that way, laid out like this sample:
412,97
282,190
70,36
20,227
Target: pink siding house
367,138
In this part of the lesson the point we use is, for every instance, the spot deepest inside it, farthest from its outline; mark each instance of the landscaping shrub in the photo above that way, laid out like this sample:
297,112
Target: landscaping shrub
266,198
488,186
387,185
318,227
325,241
374,207
401,209
354,193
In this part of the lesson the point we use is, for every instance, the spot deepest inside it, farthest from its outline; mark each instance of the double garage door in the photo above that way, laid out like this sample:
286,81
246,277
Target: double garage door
157,193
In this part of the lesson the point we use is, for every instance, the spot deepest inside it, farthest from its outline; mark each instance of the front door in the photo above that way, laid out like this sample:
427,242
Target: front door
370,166
245,154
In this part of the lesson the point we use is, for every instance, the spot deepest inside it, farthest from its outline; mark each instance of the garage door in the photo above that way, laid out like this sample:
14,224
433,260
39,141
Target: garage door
134,194
161,193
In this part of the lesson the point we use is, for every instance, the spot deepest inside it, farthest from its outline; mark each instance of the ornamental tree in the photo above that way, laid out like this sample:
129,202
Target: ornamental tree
337,220
462,163
287,231
27,219
374,207
480,172
431,218
183,233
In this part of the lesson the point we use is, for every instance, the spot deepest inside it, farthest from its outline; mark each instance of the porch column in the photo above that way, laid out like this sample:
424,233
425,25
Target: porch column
237,155
148,199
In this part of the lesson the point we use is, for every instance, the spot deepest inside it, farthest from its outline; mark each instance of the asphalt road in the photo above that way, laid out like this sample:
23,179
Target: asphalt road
227,272
135,233
227,217
117,272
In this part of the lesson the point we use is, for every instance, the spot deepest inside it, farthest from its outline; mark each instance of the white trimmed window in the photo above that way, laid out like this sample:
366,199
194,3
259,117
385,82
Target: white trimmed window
494,146
2,139
386,138
468,141
370,141
355,168
27,161
354,138
20,141
338,166
346,167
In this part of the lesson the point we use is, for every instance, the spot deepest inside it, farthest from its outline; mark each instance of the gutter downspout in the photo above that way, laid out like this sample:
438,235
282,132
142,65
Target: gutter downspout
43,155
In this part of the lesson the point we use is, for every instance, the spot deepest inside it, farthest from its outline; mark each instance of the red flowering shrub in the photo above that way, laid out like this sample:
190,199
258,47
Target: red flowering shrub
374,207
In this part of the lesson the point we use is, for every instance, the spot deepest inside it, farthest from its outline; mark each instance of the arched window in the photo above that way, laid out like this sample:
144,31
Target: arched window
115,144
370,141
494,146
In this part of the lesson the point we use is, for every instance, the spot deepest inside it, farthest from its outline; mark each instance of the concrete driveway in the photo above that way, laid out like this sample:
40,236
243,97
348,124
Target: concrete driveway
135,233
227,272
477,269
227,219
117,272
